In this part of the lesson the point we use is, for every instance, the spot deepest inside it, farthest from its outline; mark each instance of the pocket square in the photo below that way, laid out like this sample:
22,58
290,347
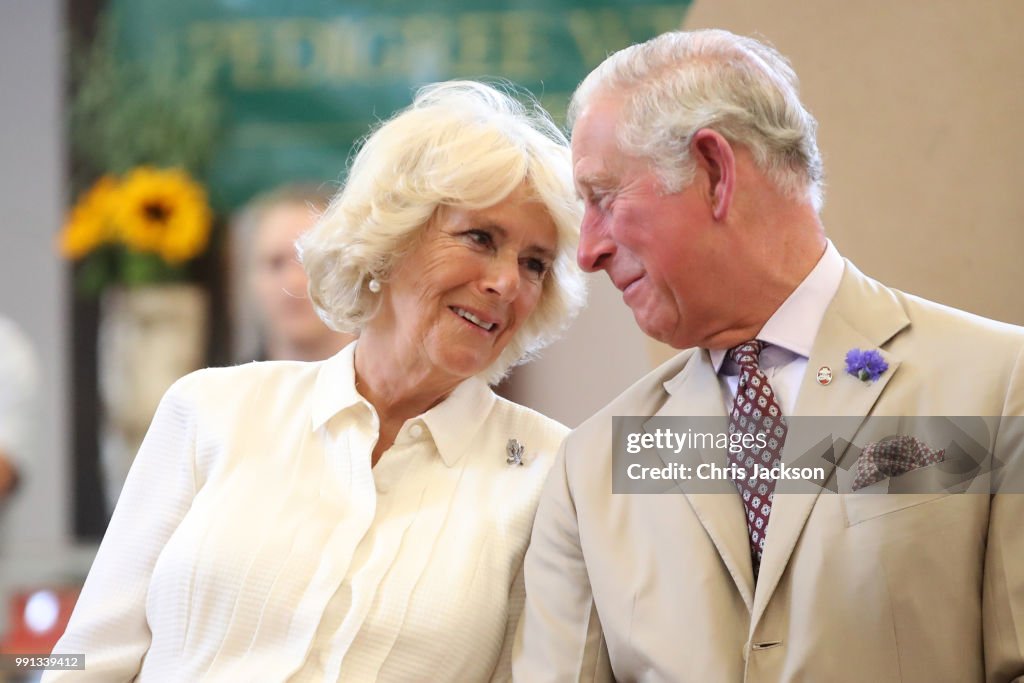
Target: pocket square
891,458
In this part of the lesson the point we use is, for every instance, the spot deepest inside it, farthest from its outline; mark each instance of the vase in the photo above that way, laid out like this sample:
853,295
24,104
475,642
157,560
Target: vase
149,336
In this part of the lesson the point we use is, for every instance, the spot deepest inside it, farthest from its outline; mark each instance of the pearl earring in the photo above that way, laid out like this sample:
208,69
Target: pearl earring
374,285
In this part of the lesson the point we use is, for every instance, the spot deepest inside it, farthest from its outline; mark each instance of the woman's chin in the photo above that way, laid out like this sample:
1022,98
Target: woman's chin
463,365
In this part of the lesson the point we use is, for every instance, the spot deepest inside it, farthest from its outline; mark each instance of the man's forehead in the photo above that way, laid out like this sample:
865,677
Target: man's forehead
597,167
594,142
598,121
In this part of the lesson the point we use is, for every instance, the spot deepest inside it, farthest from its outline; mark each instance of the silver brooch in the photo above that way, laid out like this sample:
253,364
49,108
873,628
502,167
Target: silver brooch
514,451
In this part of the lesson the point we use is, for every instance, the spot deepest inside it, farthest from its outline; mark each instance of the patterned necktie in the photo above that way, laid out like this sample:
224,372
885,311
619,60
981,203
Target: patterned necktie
756,410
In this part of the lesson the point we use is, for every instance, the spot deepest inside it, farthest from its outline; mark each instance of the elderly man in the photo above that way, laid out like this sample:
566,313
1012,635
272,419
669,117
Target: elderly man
701,177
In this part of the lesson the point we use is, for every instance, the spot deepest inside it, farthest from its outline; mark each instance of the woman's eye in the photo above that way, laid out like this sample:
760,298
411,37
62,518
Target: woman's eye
536,266
481,237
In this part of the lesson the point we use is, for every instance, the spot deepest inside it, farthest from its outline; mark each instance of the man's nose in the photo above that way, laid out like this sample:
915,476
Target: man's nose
596,247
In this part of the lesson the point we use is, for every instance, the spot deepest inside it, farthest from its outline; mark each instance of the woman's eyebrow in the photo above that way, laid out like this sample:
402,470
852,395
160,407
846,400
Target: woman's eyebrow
536,249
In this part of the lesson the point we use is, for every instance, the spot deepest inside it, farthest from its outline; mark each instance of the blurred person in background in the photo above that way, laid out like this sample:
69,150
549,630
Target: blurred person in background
365,517
19,389
274,315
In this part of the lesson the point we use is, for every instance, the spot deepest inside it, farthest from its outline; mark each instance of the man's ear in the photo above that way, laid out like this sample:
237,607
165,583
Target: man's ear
713,154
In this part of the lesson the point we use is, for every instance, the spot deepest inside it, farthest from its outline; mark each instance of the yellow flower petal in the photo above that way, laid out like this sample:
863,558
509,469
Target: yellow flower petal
90,223
163,211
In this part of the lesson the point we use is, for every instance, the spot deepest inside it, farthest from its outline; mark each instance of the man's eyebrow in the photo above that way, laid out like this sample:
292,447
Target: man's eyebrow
590,181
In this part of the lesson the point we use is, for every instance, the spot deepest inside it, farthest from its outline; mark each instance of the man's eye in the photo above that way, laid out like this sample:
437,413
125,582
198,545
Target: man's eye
600,200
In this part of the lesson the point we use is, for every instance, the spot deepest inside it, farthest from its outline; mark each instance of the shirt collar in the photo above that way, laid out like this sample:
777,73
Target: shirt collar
335,388
453,423
795,323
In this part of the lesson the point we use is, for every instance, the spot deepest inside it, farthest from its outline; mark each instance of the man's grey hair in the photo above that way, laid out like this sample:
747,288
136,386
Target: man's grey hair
680,82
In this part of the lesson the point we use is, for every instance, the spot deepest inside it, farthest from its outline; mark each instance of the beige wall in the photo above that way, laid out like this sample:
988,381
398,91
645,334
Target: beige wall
920,108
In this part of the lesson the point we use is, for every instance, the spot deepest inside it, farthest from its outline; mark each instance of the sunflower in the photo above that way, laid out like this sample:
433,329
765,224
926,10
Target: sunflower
165,212
90,223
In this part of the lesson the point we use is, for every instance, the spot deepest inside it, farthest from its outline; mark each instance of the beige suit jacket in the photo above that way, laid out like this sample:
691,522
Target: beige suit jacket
893,588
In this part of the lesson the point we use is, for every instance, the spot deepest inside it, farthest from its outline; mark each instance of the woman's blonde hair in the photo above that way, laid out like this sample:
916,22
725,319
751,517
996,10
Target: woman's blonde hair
461,144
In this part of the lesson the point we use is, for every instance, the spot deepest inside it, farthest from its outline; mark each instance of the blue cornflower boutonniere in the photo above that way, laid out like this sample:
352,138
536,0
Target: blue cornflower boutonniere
867,366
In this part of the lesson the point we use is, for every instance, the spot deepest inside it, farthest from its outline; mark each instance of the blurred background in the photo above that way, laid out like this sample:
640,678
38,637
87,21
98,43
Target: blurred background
168,119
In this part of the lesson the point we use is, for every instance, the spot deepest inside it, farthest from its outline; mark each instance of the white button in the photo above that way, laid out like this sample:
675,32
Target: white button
416,431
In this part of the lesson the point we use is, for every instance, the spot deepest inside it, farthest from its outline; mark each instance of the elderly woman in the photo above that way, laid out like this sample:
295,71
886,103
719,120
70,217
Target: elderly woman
365,517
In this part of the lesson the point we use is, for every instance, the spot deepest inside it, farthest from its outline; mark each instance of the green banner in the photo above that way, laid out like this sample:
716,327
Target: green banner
303,80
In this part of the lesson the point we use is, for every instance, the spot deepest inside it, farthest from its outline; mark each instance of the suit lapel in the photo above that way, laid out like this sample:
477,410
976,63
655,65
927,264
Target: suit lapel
696,392
863,315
